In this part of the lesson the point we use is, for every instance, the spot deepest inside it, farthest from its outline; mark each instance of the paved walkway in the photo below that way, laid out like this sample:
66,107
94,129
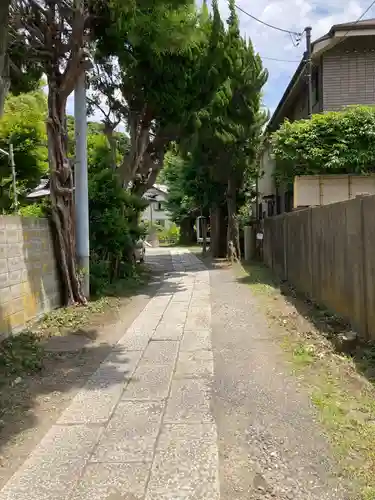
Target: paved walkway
155,422
141,428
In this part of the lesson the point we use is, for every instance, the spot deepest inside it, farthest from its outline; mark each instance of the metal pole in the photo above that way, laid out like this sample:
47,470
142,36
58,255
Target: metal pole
81,183
309,70
13,166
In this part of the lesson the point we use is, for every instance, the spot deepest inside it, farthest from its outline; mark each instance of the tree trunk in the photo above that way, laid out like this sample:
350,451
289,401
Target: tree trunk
204,235
108,131
218,235
62,197
187,234
4,62
233,236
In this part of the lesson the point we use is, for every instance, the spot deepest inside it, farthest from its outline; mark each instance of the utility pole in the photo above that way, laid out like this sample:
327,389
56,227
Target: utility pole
81,183
309,70
13,167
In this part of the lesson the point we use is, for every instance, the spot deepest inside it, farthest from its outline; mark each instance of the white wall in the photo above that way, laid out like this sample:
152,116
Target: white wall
153,213
266,183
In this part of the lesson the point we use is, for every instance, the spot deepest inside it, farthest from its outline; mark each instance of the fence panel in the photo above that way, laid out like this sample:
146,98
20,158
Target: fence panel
298,246
369,260
327,253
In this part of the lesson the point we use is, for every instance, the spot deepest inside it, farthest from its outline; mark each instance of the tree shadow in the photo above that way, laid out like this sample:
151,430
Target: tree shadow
329,325
32,400
30,404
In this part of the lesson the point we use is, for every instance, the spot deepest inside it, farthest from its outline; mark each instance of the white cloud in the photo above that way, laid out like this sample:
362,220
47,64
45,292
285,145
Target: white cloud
292,15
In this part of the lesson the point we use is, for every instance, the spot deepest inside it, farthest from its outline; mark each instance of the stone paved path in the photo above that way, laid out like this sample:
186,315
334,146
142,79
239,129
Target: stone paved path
141,428
157,422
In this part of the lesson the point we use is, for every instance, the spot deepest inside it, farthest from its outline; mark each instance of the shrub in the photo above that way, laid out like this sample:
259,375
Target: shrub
338,142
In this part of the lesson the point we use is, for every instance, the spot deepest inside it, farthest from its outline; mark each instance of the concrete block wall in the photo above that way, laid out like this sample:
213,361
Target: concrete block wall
29,285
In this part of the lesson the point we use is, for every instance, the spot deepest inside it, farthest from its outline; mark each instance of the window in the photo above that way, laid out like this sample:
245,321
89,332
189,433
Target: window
159,206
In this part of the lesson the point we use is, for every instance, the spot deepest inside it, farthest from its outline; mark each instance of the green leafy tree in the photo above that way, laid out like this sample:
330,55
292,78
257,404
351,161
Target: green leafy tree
162,88
23,124
338,142
114,220
228,129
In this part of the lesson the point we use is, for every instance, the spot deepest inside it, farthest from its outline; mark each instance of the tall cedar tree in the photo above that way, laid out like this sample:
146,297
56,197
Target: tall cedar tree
228,131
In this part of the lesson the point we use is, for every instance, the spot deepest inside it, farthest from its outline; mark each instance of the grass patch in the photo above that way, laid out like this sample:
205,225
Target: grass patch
23,354
74,318
342,395
20,355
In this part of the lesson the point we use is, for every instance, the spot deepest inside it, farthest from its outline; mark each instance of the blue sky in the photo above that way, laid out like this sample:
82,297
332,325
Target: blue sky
293,15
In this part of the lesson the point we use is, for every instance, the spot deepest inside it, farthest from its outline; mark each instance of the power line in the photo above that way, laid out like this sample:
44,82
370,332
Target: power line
279,60
295,33
356,22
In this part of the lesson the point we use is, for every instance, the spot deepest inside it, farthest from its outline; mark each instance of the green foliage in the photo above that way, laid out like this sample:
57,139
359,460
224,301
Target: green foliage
181,203
98,148
228,129
33,210
19,355
23,124
338,142
114,216
170,235
169,68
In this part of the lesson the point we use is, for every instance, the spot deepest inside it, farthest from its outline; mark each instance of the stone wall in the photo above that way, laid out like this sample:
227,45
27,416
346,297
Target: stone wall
29,284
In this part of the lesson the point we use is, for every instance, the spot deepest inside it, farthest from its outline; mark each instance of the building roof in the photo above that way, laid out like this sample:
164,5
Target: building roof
161,187
41,190
344,27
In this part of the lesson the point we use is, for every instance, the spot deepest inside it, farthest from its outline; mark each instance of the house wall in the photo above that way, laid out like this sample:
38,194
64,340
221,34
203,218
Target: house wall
349,73
29,283
152,213
266,183
315,190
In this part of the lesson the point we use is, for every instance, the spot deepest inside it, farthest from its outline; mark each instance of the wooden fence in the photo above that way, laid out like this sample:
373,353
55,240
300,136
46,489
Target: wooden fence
328,253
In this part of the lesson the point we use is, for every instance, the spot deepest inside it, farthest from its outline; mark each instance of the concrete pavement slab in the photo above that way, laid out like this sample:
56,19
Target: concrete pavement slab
55,465
131,434
160,353
110,481
196,340
186,465
149,382
168,331
198,317
189,401
195,364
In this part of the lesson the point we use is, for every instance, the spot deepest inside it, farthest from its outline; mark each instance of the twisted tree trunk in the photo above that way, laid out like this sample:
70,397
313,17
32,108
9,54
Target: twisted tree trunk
62,196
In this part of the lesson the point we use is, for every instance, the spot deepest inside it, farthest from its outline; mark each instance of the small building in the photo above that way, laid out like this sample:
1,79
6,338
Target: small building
343,74
156,212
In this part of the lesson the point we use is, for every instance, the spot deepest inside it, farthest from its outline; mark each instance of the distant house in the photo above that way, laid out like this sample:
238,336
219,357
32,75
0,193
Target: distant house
156,212
156,196
343,74
40,191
